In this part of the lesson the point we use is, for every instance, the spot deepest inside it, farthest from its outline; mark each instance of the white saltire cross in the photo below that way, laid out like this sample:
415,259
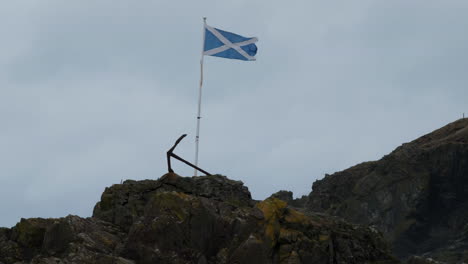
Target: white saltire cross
228,44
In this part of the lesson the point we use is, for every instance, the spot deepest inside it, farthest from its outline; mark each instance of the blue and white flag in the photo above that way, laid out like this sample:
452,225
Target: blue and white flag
228,45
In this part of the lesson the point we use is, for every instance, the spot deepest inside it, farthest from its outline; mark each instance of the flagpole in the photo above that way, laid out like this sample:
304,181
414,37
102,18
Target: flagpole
197,138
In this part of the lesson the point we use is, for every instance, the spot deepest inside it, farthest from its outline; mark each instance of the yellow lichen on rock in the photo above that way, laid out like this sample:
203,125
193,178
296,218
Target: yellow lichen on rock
273,209
296,217
289,235
276,219
324,237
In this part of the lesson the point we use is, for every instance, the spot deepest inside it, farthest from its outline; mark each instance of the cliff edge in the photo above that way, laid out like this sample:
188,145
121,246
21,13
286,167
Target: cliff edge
417,196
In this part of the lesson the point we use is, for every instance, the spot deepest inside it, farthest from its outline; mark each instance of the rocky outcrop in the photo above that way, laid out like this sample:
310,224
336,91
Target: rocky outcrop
123,204
417,195
287,196
65,240
200,220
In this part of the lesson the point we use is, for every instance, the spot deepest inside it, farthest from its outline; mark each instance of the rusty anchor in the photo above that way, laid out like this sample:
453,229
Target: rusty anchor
170,154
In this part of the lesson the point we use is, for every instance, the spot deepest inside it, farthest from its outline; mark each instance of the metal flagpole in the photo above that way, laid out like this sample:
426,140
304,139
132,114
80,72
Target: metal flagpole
197,138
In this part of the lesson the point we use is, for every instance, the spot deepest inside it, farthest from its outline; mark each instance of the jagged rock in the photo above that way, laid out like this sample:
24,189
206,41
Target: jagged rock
186,226
283,195
123,204
203,220
66,240
294,237
180,221
9,250
417,195
287,196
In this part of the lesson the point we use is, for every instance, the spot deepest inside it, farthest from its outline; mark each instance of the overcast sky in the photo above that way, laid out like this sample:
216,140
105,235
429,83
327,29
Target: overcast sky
93,92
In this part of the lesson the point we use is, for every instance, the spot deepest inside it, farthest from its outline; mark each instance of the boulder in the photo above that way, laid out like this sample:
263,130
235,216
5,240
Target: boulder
123,204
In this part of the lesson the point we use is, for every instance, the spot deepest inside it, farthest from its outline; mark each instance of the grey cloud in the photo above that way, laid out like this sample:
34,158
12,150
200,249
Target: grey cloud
95,92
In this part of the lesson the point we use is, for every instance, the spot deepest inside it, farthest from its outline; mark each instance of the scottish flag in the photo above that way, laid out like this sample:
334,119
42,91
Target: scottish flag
228,45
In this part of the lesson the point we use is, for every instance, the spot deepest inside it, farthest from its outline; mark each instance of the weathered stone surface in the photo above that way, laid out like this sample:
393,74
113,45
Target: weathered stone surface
203,220
123,204
417,195
294,237
287,196
175,222
66,240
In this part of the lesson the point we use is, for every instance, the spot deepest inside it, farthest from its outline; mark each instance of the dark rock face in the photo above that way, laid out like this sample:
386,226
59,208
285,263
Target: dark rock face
123,204
417,195
191,220
66,240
